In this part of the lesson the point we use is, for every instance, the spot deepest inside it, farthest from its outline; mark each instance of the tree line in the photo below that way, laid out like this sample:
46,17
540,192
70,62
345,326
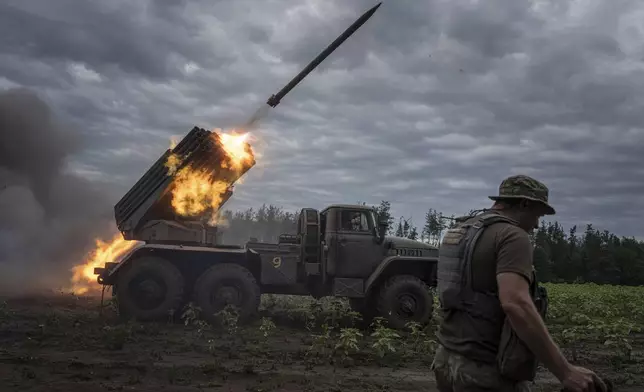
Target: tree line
572,256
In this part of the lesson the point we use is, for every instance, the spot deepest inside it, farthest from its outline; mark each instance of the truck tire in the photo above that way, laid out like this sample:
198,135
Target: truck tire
227,284
148,289
405,298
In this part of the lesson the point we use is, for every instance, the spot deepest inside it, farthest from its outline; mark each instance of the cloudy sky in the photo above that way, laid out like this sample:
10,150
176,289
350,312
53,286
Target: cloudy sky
430,104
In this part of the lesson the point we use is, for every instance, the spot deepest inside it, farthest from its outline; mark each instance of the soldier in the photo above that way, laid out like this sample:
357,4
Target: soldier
493,331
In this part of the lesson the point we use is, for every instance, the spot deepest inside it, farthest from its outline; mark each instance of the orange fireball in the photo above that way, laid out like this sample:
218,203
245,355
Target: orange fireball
235,146
194,192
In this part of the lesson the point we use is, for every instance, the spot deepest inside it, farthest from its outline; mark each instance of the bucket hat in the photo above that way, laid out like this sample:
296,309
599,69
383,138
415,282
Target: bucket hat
524,187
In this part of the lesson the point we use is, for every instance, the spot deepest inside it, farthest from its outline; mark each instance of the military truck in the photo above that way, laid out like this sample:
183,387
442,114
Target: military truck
339,251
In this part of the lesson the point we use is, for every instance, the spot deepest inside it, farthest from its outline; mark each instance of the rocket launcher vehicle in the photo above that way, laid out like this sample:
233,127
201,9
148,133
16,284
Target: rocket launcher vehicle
145,213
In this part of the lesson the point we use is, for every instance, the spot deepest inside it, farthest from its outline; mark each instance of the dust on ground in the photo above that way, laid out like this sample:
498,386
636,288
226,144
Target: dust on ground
69,343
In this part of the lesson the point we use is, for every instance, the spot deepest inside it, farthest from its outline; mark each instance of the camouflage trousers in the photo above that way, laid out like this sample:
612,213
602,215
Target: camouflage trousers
455,373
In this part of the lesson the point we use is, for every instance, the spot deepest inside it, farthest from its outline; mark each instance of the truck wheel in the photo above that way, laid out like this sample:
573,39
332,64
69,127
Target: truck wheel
227,284
149,289
405,298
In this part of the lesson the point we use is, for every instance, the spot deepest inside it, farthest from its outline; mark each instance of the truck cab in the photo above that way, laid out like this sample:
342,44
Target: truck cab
355,241
345,252
352,242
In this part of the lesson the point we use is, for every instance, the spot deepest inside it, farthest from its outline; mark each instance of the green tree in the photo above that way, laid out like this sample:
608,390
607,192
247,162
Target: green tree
435,224
559,256
384,212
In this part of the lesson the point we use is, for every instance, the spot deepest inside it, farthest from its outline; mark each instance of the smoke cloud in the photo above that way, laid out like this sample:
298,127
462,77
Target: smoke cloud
49,217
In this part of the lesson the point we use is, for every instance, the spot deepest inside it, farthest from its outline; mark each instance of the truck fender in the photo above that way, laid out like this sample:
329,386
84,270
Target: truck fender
391,261
107,274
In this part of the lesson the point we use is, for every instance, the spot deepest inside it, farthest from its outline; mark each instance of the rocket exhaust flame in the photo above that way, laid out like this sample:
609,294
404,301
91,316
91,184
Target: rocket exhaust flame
83,278
195,193
199,192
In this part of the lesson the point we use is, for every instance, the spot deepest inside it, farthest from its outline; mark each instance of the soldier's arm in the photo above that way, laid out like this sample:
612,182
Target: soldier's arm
514,267
528,324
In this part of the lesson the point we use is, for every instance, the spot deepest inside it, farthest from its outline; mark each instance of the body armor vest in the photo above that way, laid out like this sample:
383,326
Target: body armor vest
455,269
455,293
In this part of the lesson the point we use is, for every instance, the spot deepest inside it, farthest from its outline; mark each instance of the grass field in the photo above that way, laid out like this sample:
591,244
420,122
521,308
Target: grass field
64,342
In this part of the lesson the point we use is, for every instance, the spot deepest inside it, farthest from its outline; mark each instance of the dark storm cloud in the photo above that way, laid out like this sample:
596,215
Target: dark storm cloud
145,38
430,104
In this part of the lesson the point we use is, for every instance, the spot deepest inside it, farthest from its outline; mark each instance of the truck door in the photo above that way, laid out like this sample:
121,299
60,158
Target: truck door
357,252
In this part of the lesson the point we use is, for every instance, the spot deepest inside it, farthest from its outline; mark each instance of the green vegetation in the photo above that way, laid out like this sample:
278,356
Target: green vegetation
295,339
593,256
597,315
582,317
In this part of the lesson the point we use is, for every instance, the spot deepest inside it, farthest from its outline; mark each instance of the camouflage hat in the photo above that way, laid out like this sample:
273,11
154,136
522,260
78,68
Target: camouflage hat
524,187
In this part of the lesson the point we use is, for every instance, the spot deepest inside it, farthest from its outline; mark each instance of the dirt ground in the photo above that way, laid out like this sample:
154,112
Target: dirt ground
65,343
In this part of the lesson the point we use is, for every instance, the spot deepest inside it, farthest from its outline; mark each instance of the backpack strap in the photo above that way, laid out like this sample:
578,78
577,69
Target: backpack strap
477,227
